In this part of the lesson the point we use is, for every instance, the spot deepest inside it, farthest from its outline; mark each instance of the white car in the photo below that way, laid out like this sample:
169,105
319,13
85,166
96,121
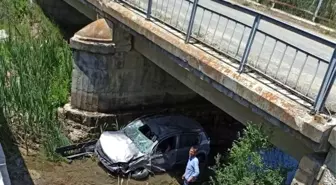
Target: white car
152,144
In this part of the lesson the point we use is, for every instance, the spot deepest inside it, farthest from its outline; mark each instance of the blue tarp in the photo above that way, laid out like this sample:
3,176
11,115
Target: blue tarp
275,158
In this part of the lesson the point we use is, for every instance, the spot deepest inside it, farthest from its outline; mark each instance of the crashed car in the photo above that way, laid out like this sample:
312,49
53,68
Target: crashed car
151,144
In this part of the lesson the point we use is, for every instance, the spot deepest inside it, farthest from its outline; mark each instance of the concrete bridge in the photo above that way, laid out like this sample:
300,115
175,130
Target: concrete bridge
131,59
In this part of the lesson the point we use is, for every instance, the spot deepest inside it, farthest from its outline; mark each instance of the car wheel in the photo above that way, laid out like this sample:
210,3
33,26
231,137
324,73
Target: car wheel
201,159
140,174
202,162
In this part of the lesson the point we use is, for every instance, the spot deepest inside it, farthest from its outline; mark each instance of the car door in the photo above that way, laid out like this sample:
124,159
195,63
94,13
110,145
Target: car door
164,155
185,141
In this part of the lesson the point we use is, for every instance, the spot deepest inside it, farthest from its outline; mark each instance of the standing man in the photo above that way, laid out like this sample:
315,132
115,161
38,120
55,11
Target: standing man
192,170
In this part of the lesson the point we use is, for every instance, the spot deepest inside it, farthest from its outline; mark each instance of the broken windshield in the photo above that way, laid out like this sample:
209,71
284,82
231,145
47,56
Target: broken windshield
139,138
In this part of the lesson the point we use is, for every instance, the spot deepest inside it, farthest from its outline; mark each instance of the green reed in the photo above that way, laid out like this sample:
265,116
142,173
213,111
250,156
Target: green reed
35,70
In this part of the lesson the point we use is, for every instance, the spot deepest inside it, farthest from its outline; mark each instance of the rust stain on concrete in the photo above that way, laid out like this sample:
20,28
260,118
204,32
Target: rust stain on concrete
270,96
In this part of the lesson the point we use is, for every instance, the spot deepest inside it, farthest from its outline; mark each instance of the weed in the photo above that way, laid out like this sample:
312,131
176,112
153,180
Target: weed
35,69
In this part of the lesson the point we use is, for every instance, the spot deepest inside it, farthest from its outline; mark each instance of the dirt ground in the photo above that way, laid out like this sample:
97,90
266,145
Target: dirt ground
35,170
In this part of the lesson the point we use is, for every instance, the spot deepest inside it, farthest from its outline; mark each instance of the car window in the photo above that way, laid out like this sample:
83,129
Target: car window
167,145
188,140
141,141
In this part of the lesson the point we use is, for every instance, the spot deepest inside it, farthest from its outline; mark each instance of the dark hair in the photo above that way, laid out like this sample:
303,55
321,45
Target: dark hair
195,147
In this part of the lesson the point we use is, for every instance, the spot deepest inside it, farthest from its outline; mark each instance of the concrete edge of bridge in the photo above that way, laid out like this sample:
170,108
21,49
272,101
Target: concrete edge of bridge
293,114
332,138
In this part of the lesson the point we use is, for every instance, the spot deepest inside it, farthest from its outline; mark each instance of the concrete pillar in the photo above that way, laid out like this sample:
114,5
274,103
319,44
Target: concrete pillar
308,170
109,75
329,173
318,169
329,169
92,50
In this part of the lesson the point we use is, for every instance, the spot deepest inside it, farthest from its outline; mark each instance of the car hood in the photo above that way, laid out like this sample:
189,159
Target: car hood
118,147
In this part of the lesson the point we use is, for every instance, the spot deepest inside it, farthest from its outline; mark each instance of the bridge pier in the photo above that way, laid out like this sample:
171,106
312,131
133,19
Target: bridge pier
108,75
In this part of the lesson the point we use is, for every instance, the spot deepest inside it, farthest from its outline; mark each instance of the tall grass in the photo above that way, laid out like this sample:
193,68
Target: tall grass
35,69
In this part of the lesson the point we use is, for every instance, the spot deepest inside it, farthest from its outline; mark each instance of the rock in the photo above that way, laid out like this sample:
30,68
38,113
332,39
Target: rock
34,174
77,135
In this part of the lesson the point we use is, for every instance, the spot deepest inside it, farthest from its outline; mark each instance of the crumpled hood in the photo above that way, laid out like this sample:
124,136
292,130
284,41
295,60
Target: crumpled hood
118,147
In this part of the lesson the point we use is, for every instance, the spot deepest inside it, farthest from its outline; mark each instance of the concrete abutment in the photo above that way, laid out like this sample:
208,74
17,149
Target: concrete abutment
109,75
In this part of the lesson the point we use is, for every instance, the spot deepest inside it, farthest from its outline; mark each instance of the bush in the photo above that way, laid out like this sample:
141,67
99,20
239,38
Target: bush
244,164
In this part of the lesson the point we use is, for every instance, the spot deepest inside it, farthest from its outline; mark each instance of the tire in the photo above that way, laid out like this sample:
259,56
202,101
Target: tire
202,159
203,162
140,174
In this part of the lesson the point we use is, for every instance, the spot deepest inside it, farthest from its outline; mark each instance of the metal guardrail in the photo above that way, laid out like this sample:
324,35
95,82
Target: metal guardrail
303,73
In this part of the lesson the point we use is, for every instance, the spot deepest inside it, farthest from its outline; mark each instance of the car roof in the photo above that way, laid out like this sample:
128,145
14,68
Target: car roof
163,125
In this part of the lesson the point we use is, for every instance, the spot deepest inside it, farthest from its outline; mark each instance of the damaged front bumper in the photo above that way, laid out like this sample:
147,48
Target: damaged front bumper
134,167
112,167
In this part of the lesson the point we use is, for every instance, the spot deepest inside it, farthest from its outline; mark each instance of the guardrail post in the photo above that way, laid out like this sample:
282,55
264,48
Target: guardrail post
326,86
249,43
317,10
191,21
149,9
273,4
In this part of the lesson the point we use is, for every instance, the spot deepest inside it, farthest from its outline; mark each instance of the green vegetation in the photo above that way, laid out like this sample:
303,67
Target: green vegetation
244,164
35,70
327,12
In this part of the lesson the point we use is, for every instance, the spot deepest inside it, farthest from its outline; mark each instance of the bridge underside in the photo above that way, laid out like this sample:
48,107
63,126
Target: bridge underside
213,77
